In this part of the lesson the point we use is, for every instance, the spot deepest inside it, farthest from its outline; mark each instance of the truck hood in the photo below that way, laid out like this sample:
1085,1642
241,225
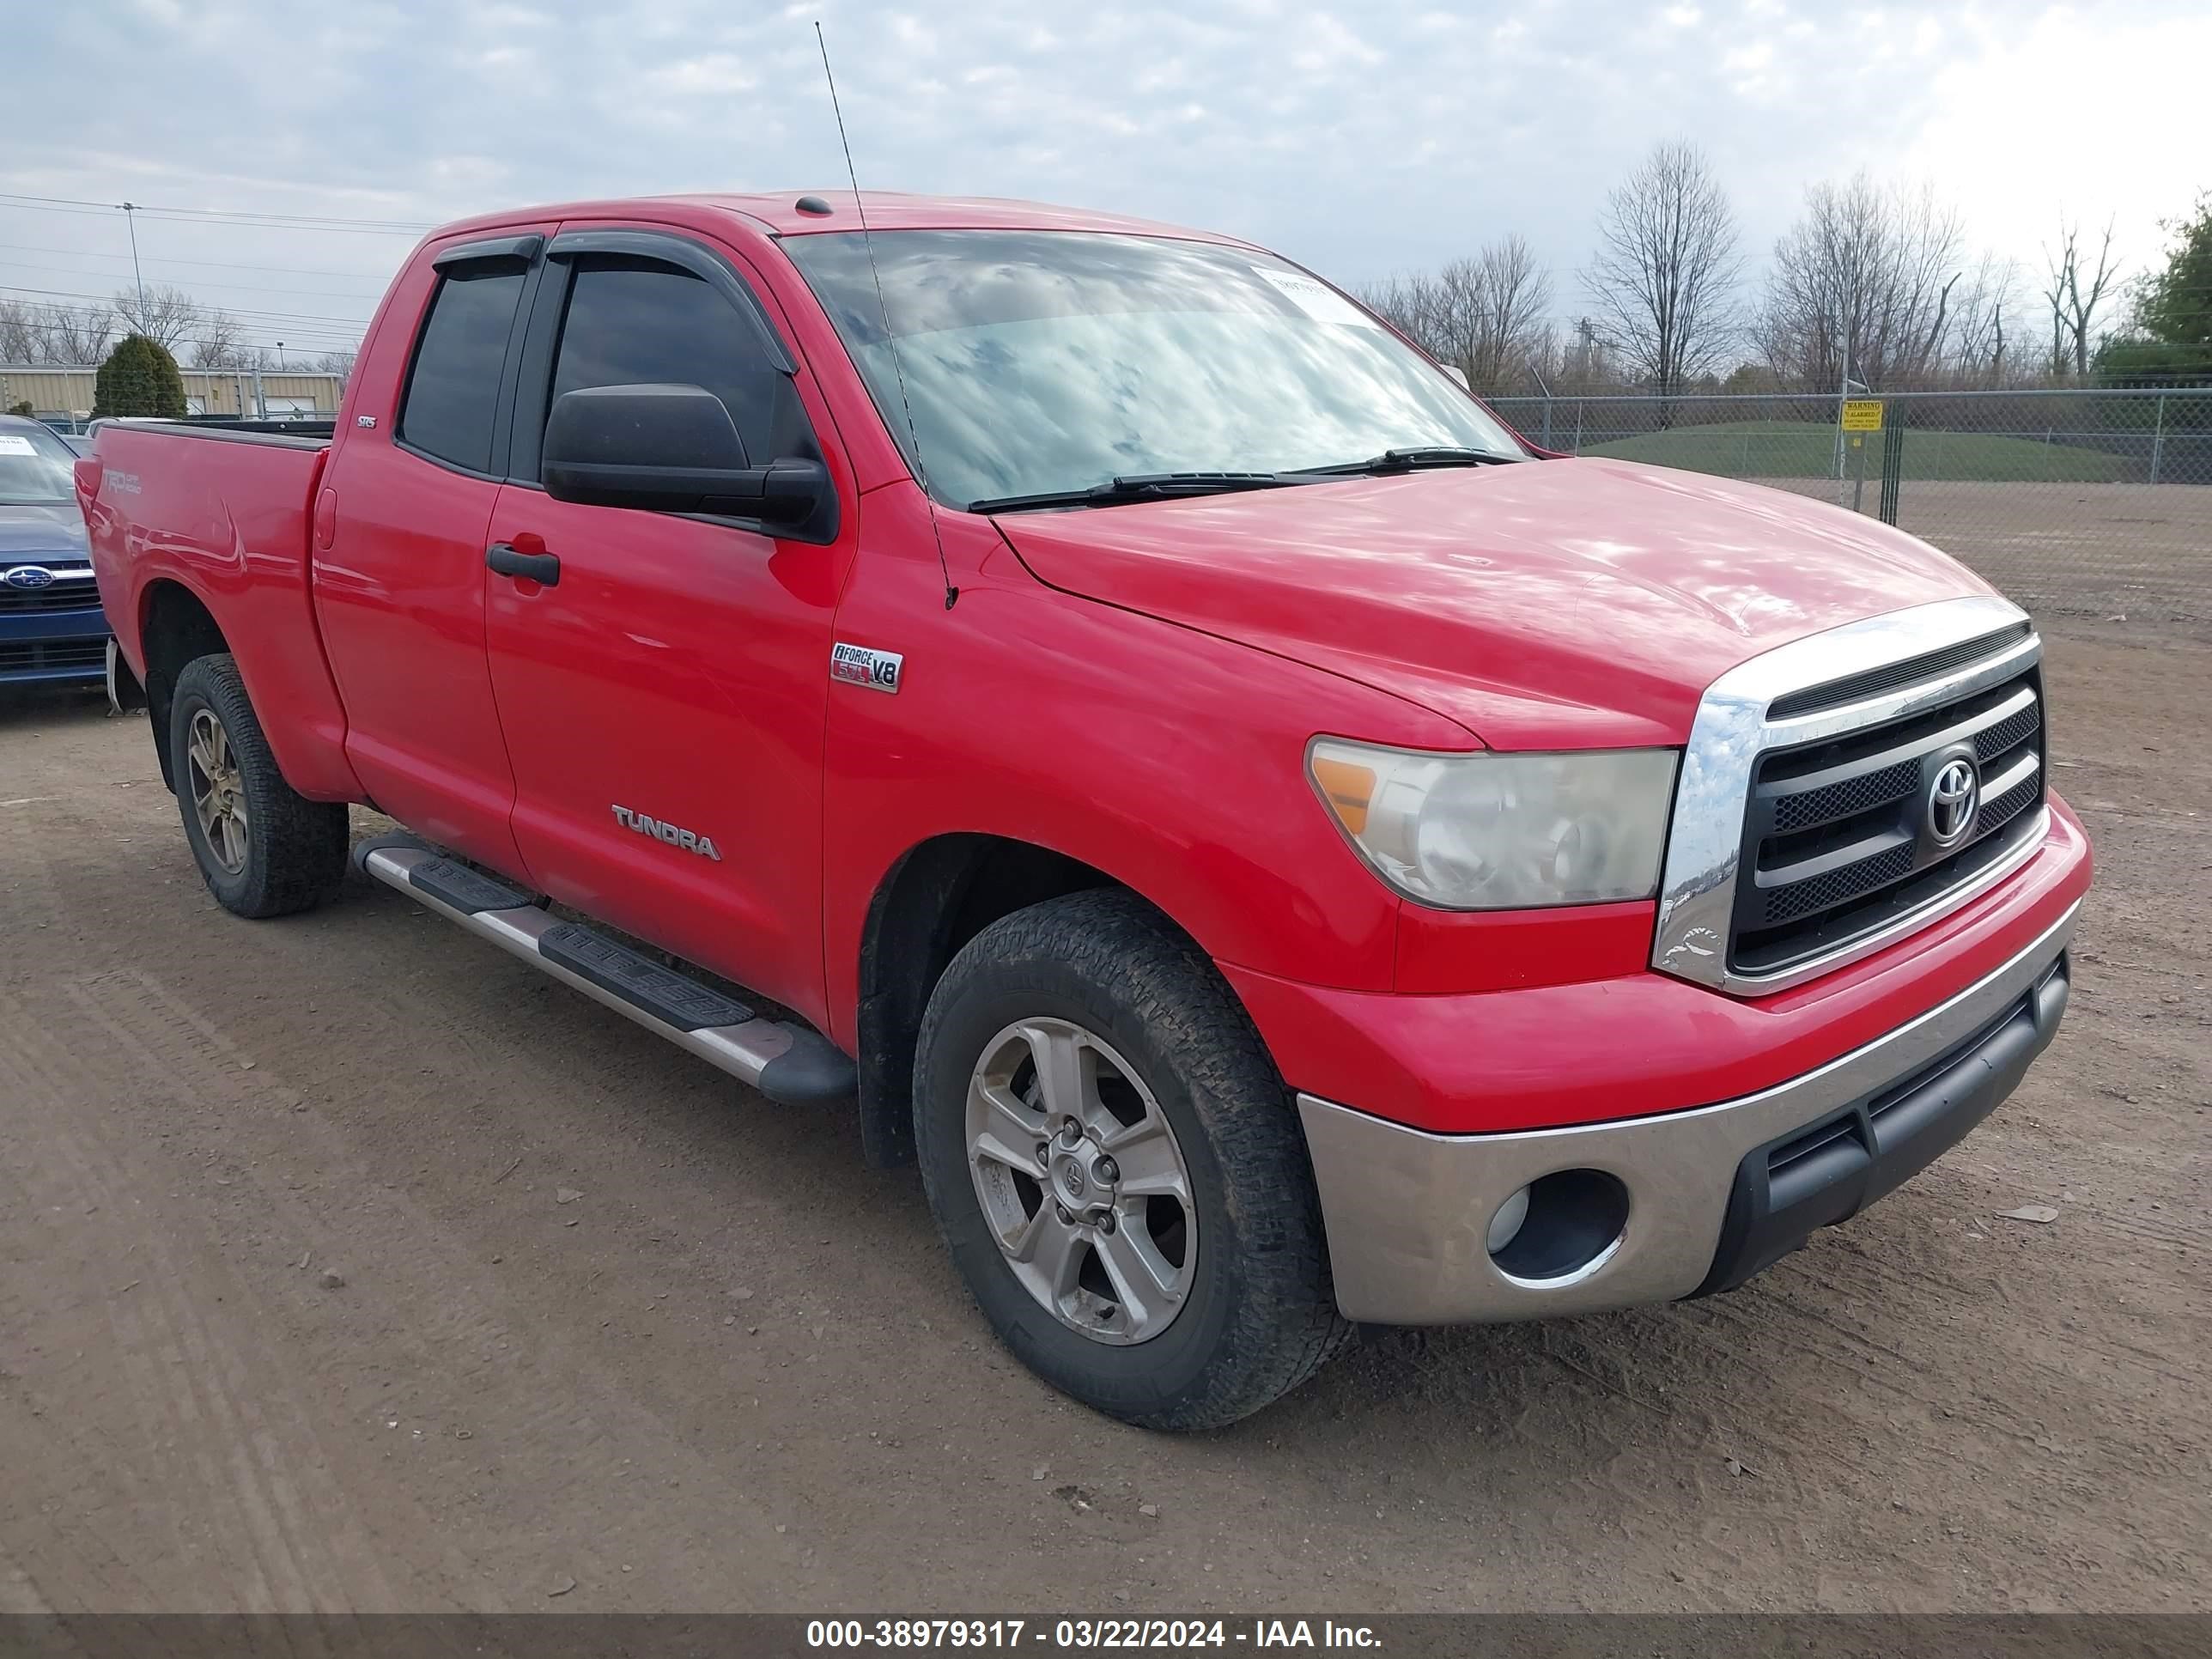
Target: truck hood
1565,604
46,529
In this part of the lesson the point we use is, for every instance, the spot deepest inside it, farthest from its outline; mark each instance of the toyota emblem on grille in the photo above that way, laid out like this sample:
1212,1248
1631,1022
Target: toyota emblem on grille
1953,796
29,576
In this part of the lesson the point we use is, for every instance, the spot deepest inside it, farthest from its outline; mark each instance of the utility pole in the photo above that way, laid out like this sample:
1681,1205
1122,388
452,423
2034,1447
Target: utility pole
130,218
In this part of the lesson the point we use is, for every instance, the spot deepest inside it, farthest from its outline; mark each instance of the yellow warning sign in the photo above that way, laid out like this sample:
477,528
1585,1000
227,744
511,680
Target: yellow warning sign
1863,414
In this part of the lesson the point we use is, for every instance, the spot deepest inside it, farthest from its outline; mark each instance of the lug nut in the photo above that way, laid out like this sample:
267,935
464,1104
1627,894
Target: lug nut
1044,1151
1066,1215
1107,1169
1106,1222
1070,1132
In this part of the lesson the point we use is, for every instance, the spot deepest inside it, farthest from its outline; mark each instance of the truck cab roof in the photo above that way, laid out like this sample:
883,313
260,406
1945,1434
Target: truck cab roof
778,213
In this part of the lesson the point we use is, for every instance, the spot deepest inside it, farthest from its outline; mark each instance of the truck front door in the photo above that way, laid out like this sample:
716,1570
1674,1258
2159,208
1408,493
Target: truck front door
663,698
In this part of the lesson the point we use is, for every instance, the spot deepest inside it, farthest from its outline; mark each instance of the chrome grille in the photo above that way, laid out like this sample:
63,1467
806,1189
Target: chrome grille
1837,838
1851,688
2008,733
1801,837
1997,813
1838,800
1839,886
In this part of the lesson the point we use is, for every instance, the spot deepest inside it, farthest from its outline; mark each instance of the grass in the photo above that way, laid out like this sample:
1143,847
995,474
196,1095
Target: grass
1790,449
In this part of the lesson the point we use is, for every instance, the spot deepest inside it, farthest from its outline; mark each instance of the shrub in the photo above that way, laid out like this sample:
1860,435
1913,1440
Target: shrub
139,378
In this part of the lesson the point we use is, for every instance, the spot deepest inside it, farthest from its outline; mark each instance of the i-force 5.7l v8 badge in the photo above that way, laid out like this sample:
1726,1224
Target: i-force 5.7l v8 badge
856,665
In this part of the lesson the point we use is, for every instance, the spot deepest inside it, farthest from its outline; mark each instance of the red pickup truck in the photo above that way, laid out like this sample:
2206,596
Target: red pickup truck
1275,848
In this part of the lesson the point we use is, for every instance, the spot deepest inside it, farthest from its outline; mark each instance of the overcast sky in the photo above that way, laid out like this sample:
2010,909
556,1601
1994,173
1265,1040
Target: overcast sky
1358,138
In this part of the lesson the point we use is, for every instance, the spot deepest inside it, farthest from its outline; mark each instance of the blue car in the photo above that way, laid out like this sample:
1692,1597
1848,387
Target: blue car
52,631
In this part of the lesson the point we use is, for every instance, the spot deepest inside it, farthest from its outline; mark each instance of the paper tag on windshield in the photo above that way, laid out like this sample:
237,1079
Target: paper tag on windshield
12,445
1317,300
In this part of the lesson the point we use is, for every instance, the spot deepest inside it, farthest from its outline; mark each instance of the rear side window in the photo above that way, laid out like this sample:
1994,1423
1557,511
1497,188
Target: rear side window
454,389
633,322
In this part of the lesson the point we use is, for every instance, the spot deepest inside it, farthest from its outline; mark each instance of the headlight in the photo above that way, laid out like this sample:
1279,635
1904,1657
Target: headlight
1502,832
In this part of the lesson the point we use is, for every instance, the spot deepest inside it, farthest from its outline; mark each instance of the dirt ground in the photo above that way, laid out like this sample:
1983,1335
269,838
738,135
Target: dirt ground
614,1335
2123,553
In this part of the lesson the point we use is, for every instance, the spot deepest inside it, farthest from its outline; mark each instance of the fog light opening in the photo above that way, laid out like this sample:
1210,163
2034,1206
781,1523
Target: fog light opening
1560,1229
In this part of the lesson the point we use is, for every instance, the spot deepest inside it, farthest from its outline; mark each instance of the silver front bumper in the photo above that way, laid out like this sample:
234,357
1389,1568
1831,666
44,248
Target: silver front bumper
1408,1212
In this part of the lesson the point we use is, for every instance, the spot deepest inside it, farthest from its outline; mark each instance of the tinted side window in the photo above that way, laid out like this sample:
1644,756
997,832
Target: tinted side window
454,388
633,323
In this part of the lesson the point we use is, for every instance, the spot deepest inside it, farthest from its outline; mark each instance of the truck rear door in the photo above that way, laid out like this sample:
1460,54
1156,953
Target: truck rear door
664,698
400,538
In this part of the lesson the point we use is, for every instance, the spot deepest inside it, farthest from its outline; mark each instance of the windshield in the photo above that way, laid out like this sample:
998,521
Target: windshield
1038,361
35,466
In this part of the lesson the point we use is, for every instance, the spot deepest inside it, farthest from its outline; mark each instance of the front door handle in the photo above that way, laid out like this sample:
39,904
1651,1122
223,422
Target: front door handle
542,567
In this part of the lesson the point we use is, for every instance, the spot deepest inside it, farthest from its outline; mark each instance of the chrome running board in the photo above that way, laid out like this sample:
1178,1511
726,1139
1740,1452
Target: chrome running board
785,1060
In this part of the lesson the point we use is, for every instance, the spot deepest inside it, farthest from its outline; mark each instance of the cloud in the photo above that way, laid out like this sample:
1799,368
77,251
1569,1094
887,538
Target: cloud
2058,118
1359,139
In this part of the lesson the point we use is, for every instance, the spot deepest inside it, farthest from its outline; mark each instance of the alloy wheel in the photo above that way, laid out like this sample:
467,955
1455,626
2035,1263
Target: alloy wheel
1081,1180
218,790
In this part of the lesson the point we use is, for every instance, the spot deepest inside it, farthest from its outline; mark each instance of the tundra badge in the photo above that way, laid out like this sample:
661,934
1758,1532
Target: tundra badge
660,829
856,665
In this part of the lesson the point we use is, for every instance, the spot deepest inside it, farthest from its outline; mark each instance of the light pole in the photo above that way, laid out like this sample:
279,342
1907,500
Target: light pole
280,356
130,212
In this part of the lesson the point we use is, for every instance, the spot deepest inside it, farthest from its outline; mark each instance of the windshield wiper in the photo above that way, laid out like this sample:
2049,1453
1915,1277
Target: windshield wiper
1407,460
1142,487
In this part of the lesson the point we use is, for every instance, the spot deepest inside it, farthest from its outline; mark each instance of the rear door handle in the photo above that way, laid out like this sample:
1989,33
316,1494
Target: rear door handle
542,567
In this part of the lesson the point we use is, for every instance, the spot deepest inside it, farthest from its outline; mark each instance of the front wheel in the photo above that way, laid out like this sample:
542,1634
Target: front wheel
263,848
1115,1167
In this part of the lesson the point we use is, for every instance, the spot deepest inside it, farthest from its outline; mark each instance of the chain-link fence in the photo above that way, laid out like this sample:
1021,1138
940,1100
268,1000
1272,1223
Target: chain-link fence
2080,504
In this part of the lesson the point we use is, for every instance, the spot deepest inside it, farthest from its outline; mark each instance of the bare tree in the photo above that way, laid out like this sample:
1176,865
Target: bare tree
1663,282
2073,305
79,335
339,363
1862,283
1975,350
21,335
1541,354
1483,315
217,341
65,337
1511,296
1413,303
166,316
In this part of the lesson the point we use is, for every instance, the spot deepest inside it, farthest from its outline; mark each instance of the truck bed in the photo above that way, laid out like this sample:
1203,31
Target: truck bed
226,514
224,502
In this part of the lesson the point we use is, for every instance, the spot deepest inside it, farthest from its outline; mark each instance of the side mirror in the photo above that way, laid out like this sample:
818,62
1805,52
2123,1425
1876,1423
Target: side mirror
675,449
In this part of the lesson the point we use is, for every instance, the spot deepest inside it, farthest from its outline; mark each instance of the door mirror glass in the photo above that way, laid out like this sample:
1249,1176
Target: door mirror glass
650,439
675,449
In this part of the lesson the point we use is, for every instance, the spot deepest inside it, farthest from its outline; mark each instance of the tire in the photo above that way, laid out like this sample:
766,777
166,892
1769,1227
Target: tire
1257,1313
289,853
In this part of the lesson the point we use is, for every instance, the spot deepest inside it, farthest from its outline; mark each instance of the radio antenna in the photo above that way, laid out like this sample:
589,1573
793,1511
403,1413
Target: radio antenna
891,339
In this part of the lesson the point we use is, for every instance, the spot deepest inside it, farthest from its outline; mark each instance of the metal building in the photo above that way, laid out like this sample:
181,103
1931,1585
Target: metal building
63,396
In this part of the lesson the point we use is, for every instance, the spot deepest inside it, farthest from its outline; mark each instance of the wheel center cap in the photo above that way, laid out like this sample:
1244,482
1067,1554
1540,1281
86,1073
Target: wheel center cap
1073,1180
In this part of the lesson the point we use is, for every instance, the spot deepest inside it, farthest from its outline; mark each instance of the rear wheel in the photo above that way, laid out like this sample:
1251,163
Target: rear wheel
263,848
1115,1168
